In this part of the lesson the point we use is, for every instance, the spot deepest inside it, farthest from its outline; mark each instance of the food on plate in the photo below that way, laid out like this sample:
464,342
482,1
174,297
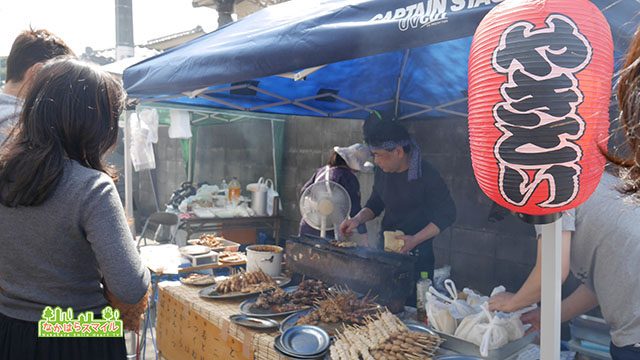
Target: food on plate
342,307
343,244
278,300
246,282
383,337
231,257
198,279
210,240
391,242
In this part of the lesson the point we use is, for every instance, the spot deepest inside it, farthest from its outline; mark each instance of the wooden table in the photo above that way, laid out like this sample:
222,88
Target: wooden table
189,327
194,224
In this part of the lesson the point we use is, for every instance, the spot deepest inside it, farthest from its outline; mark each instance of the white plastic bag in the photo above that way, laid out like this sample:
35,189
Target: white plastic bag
515,328
459,309
271,195
149,117
180,124
141,148
484,330
494,333
438,313
469,325
474,299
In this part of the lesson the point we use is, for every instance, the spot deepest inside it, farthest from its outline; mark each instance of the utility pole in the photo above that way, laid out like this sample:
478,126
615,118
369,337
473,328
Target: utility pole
225,9
124,29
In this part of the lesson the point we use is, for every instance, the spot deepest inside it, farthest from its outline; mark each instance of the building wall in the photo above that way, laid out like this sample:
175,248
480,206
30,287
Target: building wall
482,254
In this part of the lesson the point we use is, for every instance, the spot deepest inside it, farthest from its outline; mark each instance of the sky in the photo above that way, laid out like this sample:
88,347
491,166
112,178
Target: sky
82,23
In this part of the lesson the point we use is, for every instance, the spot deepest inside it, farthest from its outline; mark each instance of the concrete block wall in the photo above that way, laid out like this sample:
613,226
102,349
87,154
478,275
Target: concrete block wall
238,149
481,254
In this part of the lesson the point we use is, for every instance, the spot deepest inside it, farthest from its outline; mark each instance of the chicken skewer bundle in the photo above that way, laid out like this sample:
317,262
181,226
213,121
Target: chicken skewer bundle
340,307
246,282
383,337
279,300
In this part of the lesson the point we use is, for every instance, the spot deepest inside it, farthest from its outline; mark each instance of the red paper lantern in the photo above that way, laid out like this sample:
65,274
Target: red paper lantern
539,88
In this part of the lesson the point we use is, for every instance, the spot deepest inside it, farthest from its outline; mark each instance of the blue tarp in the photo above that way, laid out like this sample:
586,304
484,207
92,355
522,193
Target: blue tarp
403,56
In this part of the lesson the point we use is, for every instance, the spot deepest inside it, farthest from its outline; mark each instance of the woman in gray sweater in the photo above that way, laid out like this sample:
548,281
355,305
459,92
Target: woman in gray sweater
63,232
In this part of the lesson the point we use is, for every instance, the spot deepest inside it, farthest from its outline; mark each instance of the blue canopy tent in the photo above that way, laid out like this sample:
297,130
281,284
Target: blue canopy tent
335,58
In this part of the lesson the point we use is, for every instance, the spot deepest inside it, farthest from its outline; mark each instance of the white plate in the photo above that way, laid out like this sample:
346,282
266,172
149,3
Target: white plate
195,249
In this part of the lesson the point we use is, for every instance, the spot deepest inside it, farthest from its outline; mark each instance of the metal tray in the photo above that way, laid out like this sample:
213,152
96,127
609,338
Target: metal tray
464,347
305,340
575,345
253,322
227,245
418,327
291,320
278,346
210,292
591,329
246,307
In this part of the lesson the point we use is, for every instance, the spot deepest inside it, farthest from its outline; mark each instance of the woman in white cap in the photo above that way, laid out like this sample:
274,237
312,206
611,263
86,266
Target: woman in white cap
341,168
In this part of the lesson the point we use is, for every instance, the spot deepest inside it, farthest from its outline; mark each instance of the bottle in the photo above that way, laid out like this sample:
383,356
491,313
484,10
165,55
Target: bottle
225,191
422,286
234,191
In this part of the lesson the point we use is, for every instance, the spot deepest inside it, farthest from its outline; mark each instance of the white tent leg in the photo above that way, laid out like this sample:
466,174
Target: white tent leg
551,290
128,172
190,164
273,156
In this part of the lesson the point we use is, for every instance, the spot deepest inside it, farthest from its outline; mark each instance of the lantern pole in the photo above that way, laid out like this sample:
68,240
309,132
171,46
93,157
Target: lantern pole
550,317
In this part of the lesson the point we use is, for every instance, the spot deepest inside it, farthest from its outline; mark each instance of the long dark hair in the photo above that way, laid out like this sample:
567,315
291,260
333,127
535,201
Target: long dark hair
71,111
629,103
336,160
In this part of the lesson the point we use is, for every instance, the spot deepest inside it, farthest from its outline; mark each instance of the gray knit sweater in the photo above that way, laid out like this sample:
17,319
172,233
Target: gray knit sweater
57,253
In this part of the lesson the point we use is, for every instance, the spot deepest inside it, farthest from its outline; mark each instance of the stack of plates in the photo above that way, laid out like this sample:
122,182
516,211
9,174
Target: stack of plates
303,342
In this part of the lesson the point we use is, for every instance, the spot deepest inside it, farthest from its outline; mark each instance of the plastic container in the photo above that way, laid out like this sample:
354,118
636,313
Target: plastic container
422,286
234,191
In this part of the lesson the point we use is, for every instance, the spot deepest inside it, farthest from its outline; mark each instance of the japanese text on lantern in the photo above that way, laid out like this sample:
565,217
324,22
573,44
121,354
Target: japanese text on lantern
538,116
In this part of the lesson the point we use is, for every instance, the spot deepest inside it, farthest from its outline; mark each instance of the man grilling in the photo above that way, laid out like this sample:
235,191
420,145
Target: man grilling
411,192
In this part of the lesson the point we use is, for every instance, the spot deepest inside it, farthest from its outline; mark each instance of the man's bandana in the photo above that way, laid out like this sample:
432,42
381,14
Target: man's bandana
415,163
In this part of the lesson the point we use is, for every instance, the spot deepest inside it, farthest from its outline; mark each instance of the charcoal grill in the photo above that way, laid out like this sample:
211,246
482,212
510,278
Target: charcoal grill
389,276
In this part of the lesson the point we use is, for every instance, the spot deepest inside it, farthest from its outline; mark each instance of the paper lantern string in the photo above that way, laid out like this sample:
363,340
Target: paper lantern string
415,162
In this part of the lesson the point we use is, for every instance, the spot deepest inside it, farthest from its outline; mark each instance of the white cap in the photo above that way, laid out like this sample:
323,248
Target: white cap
356,156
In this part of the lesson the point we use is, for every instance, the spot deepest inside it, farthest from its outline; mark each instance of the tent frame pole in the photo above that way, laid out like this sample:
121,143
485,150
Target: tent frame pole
405,57
128,172
550,317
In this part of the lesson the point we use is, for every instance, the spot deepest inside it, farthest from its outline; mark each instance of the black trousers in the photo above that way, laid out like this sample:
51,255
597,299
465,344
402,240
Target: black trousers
630,352
425,261
19,341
